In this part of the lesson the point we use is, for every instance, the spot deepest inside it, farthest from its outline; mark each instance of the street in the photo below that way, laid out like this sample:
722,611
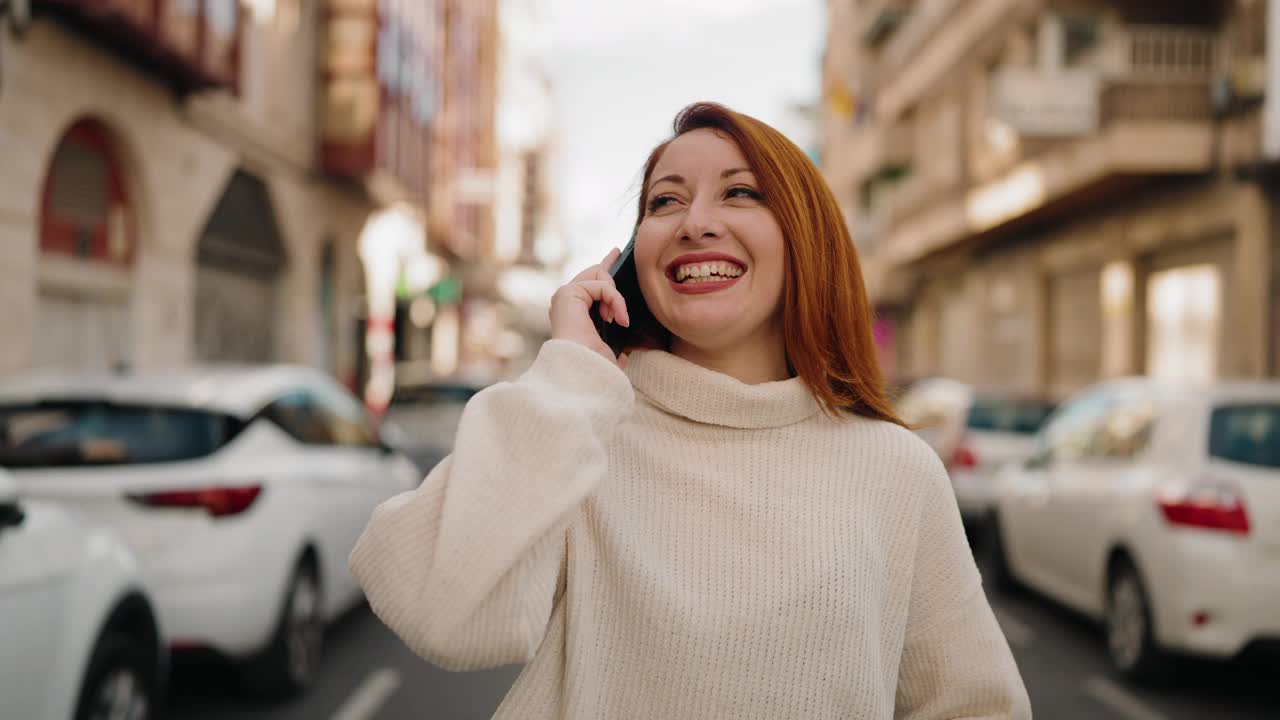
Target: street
367,673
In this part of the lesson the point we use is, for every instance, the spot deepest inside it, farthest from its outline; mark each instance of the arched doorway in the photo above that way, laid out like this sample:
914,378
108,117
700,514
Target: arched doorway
87,250
239,258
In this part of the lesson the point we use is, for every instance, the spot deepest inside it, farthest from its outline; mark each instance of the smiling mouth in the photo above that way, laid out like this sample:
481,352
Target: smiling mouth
705,272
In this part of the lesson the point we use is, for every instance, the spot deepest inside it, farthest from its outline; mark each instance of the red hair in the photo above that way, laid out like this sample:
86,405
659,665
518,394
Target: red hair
826,314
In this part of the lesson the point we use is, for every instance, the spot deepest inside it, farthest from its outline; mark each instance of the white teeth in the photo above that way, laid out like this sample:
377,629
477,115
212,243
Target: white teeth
695,271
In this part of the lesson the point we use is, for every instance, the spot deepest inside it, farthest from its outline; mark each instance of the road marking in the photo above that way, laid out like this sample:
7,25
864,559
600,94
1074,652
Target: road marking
1120,700
370,695
1018,633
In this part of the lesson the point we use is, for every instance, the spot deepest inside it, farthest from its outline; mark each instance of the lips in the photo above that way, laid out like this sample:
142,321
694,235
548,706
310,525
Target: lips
701,273
705,268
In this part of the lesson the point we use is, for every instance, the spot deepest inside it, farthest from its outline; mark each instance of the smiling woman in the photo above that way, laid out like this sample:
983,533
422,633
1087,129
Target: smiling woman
682,531
728,183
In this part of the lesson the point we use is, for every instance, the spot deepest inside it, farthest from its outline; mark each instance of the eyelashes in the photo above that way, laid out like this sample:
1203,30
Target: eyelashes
740,191
659,202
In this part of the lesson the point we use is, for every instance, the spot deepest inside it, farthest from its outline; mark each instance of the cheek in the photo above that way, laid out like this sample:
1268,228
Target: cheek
646,256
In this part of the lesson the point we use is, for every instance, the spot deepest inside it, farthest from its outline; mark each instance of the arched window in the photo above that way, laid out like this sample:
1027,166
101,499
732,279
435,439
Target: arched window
84,211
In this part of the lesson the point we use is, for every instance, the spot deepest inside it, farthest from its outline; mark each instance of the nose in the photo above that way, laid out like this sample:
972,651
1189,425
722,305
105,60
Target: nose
701,222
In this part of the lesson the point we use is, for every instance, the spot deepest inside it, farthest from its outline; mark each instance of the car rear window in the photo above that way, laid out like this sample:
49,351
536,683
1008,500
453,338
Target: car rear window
1246,433
1022,417
74,433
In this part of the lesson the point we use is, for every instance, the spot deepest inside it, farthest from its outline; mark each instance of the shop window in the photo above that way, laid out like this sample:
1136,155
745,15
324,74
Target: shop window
85,204
1184,312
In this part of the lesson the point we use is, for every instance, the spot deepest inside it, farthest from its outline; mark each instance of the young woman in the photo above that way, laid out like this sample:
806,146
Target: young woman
729,521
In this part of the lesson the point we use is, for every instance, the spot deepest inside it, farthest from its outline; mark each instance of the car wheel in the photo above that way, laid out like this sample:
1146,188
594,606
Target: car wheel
120,683
1131,641
993,557
289,664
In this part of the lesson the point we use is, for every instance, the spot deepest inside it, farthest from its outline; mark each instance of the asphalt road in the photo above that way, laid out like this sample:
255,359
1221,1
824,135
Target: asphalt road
367,673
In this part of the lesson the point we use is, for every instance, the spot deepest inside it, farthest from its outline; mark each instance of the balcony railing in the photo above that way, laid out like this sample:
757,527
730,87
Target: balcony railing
195,43
1138,73
1162,53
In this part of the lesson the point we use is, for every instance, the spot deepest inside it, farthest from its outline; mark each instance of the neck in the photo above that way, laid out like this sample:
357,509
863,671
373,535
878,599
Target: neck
760,359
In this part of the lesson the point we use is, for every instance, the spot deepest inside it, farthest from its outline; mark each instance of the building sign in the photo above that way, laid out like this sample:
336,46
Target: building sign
380,90
1035,103
194,42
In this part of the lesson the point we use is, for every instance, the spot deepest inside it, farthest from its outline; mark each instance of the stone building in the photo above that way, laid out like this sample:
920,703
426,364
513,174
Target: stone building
163,195
1050,192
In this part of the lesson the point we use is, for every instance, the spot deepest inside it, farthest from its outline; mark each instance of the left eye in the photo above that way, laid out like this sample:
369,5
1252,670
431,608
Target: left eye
740,192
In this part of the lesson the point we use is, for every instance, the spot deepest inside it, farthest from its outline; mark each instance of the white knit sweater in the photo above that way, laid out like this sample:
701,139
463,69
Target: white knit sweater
672,543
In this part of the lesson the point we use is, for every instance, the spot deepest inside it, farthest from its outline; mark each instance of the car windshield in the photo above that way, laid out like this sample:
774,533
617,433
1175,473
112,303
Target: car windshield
72,433
1022,417
1246,433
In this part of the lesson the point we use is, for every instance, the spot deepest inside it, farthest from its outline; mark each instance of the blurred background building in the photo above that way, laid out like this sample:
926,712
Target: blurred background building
1050,192
266,181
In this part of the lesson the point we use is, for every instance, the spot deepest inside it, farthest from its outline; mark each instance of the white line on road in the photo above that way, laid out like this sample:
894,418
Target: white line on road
1018,633
370,695
1120,700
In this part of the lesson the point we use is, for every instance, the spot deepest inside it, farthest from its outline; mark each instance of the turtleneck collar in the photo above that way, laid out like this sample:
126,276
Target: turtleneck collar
705,396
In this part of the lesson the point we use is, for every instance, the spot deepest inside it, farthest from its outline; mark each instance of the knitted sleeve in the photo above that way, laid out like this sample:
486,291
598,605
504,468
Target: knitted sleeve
955,662
465,568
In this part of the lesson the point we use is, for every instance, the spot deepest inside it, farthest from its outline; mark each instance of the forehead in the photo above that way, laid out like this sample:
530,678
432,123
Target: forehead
701,150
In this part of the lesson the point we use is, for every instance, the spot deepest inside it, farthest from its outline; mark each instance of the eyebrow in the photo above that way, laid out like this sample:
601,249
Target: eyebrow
680,178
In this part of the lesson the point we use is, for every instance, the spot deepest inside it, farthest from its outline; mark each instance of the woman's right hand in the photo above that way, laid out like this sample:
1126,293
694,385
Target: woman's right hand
571,307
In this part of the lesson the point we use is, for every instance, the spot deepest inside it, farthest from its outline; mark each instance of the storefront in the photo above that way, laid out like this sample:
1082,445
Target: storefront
87,252
239,258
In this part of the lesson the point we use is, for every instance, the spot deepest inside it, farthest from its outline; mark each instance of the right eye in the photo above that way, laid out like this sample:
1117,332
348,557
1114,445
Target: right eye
660,202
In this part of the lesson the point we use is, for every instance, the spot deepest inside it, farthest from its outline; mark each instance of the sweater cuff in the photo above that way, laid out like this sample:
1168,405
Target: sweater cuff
578,373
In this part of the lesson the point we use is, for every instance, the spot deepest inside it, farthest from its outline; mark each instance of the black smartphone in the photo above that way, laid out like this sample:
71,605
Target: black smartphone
623,272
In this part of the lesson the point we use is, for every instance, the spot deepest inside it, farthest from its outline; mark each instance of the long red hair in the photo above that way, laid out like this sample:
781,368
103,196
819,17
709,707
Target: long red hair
826,314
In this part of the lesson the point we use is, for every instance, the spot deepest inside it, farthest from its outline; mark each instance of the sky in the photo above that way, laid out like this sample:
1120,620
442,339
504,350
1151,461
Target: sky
622,69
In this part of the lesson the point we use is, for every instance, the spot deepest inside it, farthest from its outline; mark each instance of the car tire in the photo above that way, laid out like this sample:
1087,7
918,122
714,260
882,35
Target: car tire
120,681
1130,637
288,665
993,557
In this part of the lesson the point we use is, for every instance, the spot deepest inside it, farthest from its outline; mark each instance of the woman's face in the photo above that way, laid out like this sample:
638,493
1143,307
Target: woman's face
709,253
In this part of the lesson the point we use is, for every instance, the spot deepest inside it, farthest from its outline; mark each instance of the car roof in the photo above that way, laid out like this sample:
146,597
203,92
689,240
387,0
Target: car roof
1211,393
233,390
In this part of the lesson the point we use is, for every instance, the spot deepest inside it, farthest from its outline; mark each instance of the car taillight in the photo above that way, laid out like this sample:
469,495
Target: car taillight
964,457
1207,506
217,501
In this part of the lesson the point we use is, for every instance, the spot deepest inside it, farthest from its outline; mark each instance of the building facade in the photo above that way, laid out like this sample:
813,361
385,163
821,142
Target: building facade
217,181
1046,193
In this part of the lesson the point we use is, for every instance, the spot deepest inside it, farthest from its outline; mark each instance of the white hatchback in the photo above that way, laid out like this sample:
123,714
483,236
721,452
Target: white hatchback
241,490
1155,508
78,635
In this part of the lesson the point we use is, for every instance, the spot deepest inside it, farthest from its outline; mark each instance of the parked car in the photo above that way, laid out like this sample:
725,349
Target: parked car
1154,508
241,490
935,408
999,428
424,417
975,432
79,637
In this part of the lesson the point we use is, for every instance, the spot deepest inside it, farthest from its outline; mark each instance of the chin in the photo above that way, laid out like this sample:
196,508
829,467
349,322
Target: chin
707,337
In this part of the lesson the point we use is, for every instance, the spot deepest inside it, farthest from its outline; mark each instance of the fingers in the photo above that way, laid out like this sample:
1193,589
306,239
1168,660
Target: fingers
600,271
613,307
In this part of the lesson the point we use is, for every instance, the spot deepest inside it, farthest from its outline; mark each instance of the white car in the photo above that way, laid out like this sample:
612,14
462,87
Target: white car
999,428
975,432
78,635
424,418
1156,509
241,490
